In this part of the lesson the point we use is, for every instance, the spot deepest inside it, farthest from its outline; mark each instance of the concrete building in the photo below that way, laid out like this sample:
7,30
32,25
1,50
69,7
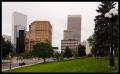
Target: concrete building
19,22
72,44
67,34
7,38
39,31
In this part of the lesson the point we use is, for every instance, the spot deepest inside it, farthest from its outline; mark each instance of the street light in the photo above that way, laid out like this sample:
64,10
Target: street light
111,14
10,57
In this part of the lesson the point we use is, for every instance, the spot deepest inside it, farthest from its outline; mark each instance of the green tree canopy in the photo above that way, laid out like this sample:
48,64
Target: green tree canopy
81,50
103,31
6,48
68,52
43,50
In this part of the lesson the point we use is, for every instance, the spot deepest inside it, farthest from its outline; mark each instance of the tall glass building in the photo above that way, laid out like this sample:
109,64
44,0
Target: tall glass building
19,23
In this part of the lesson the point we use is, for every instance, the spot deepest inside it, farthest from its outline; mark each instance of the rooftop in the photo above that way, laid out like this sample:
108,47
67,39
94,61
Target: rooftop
74,15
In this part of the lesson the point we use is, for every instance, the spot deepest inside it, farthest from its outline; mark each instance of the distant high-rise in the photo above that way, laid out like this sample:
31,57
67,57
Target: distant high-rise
19,22
74,25
39,31
72,36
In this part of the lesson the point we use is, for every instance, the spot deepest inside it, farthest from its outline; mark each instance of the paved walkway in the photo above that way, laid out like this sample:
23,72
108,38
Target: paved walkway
15,64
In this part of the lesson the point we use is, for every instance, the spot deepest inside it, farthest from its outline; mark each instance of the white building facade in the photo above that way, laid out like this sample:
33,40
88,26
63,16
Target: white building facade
72,44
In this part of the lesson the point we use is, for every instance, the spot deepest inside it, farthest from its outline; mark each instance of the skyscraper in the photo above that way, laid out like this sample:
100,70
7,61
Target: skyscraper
72,36
19,22
74,25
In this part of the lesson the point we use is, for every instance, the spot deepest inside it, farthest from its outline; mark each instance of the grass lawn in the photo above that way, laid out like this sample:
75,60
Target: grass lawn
83,64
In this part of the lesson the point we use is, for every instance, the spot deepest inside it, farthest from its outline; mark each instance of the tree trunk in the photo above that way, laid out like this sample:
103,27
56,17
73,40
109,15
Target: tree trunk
111,57
10,60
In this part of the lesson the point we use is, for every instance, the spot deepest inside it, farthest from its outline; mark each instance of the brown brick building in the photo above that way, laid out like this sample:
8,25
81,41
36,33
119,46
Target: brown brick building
39,31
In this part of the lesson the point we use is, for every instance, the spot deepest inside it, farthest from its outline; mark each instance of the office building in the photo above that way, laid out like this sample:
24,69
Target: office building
39,31
67,34
19,22
74,25
72,44
72,36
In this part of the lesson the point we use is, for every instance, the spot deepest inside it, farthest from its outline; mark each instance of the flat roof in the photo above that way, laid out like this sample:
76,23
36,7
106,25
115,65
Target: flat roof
74,15
19,13
38,21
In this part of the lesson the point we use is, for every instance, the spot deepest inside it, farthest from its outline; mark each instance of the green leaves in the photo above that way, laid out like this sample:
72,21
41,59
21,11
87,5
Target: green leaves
104,31
68,52
6,48
42,50
81,50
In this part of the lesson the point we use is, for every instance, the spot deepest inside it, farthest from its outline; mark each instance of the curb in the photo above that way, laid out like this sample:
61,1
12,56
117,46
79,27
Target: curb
20,66
34,64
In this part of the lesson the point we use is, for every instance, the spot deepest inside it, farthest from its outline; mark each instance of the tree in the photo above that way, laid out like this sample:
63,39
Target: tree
25,54
68,52
81,50
6,48
112,16
103,29
57,55
43,50
91,40
106,31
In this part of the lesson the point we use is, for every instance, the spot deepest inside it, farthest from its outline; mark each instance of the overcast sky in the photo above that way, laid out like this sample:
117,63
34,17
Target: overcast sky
55,12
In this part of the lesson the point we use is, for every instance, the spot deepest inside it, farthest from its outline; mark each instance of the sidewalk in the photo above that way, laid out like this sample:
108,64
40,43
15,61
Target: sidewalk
22,66
32,63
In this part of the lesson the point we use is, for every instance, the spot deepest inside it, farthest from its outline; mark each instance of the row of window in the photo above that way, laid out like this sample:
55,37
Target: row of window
65,41
69,46
70,43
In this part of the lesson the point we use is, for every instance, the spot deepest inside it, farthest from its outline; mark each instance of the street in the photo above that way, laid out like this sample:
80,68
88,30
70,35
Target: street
15,63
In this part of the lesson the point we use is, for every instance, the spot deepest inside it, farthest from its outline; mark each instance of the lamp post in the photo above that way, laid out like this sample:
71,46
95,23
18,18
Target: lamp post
111,16
10,57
